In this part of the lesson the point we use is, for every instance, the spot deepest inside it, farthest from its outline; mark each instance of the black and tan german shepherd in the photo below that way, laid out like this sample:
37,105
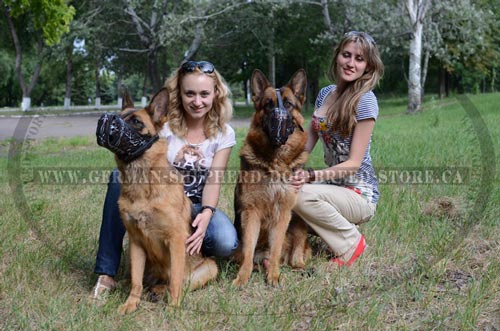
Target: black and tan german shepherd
272,151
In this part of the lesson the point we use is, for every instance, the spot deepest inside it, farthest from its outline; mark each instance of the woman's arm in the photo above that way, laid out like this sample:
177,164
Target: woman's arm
312,138
210,197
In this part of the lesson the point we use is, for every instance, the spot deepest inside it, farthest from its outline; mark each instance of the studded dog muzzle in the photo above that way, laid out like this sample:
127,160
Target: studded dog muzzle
278,123
120,138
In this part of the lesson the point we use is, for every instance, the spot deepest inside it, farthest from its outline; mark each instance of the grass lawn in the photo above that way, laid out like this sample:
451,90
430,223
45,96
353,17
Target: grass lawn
432,262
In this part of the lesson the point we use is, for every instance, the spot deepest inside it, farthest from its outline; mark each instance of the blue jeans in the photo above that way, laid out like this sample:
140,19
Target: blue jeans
220,239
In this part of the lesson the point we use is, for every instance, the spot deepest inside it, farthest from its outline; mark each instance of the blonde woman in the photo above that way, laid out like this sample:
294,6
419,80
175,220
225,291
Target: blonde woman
343,194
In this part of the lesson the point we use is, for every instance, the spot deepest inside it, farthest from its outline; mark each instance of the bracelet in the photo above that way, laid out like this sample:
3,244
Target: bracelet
312,175
207,207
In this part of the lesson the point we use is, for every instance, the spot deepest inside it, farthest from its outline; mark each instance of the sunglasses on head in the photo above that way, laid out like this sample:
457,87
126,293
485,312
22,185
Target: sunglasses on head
205,66
365,35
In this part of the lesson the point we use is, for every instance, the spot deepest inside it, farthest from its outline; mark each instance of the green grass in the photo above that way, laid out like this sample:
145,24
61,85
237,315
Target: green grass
423,271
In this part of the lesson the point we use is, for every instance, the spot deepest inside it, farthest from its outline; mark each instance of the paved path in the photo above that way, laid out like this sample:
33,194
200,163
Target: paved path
61,126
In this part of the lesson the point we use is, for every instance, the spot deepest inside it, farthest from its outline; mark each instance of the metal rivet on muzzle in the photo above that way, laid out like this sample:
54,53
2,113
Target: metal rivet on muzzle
120,138
279,124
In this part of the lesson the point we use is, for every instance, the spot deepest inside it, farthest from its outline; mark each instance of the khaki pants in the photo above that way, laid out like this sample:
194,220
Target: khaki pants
333,212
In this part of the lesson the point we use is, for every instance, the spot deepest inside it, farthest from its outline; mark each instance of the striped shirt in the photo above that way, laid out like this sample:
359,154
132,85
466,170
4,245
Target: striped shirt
336,147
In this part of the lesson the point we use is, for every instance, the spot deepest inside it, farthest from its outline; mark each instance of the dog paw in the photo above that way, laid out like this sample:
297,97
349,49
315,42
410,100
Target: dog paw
273,282
297,264
128,307
240,281
273,279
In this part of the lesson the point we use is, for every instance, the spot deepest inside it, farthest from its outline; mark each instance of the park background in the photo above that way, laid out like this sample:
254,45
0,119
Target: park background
70,53
433,258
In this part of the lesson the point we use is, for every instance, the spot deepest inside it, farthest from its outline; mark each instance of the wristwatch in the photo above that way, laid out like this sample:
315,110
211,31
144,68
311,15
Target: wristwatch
207,207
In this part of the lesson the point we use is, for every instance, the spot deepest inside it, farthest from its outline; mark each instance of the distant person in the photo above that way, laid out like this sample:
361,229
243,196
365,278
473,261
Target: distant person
333,200
200,140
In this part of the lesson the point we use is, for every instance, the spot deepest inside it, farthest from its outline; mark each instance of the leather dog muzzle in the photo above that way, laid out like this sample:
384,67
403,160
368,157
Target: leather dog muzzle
278,123
120,138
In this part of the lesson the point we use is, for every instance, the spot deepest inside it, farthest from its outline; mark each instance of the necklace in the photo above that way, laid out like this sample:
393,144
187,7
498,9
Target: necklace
195,139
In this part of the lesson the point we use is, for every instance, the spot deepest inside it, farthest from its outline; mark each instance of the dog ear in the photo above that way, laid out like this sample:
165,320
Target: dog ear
158,106
127,101
298,84
259,85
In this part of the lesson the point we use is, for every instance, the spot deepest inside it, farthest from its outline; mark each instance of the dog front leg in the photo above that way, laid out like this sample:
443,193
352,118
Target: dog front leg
177,267
276,239
137,265
250,224
297,230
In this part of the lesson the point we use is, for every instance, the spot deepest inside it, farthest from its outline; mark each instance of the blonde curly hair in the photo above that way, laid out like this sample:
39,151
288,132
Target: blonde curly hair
215,120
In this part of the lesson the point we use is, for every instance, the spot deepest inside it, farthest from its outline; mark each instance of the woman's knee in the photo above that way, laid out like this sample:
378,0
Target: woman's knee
303,201
221,239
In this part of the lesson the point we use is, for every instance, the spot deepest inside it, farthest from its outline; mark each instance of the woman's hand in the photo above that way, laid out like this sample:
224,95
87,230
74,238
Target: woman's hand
200,223
298,179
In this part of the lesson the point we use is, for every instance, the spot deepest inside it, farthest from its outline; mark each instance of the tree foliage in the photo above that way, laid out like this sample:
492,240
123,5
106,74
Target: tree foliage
52,17
101,45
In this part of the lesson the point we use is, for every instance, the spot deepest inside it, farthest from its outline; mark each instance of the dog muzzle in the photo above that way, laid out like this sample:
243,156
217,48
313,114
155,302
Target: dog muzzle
278,123
116,135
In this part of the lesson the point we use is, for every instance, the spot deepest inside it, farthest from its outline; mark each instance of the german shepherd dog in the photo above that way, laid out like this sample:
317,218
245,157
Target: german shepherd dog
272,150
152,203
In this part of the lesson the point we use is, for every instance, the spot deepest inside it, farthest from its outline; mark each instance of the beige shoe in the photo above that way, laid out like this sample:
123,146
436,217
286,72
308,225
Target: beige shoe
105,284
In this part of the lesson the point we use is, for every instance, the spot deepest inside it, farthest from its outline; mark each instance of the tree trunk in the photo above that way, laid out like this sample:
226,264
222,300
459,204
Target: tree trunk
493,78
326,17
97,86
26,89
424,74
153,72
416,11
271,54
147,37
144,99
198,36
414,74
119,89
69,78
447,84
272,68
442,78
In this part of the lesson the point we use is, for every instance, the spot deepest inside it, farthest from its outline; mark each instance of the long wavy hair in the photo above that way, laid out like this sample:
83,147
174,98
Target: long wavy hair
342,112
216,118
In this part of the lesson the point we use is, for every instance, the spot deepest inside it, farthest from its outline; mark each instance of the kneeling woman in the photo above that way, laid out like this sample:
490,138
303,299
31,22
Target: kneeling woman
335,199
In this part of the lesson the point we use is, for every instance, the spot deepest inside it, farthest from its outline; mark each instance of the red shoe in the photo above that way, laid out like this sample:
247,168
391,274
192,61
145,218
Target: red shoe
357,253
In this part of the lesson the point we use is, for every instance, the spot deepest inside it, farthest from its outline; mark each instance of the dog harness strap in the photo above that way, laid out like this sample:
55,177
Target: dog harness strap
280,102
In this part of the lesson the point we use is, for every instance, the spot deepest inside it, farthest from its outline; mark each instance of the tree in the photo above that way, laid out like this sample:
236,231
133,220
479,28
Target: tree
49,20
416,11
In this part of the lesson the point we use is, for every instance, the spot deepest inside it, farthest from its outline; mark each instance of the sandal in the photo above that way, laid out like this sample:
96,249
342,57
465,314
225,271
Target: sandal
357,253
105,284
